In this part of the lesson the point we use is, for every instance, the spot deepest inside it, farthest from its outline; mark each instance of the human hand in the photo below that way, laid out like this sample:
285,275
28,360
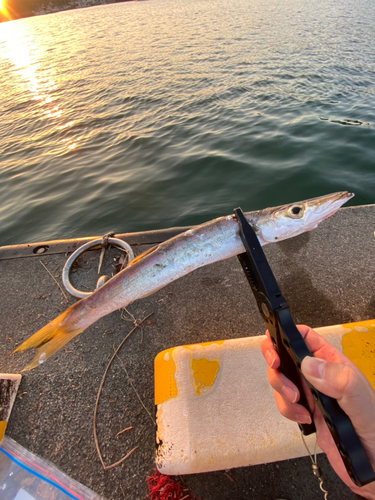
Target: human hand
333,374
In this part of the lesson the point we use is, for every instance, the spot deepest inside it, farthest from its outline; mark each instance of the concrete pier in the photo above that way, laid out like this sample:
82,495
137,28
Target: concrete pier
326,275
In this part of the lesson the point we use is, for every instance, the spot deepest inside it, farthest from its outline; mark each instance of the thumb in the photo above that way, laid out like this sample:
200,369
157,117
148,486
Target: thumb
349,386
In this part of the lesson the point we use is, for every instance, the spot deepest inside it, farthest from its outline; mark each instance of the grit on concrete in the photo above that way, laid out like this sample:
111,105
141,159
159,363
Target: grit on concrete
327,277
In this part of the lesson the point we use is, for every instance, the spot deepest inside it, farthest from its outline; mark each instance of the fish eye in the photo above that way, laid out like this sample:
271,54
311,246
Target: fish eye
295,211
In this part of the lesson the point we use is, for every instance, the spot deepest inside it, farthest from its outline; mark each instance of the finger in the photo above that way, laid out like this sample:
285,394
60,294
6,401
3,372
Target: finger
321,348
351,389
316,344
281,384
269,353
292,411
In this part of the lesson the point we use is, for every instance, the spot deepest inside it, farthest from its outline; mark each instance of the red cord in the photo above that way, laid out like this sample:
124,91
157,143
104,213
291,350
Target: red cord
162,487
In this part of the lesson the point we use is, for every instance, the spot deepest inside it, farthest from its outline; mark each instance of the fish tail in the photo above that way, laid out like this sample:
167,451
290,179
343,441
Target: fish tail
49,339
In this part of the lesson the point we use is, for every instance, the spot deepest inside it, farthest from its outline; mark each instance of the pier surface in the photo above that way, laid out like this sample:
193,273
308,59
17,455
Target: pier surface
327,277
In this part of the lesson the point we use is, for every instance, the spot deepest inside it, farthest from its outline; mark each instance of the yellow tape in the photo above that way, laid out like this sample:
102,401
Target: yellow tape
2,429
204,372
359,346
164,370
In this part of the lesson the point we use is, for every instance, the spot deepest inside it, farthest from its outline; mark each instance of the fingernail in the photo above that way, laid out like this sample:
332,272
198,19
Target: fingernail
303,418
270,358
290,393
313,367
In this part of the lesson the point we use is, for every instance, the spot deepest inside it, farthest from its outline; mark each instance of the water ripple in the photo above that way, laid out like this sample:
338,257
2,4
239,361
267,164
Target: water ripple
178,112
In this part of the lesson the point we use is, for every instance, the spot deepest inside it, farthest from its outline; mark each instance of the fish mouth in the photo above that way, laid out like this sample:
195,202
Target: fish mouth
341,196
328,204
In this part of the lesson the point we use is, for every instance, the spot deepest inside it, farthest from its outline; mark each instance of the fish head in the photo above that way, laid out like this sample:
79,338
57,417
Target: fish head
286,221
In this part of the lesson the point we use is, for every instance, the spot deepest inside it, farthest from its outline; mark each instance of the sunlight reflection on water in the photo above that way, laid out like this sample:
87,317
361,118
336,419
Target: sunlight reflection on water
142,115
33,76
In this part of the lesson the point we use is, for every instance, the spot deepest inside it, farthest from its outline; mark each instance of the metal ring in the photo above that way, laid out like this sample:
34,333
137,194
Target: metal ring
122,245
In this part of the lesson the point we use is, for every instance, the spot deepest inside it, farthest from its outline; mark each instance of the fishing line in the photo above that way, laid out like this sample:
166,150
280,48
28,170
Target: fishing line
315,467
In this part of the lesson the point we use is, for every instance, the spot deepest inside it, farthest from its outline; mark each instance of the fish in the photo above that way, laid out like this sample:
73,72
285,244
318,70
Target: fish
199,246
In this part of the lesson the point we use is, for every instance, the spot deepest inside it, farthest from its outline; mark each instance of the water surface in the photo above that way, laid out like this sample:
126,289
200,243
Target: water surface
146,115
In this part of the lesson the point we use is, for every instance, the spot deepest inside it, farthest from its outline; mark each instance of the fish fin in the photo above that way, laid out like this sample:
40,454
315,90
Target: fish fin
141,255
49,339
46,350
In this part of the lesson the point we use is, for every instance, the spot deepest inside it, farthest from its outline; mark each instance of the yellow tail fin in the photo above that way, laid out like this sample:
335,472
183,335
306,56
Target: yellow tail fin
49,339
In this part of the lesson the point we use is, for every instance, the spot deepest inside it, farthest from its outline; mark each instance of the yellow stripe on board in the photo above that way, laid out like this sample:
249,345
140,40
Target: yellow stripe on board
2,429
164,370
359,346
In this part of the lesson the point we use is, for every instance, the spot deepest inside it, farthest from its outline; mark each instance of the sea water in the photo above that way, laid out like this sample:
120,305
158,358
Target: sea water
145,115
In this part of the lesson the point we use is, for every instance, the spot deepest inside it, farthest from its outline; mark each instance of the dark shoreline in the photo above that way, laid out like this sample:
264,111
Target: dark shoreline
19,12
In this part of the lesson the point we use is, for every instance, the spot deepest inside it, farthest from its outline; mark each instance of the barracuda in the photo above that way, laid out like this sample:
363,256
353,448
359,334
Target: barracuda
204,244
